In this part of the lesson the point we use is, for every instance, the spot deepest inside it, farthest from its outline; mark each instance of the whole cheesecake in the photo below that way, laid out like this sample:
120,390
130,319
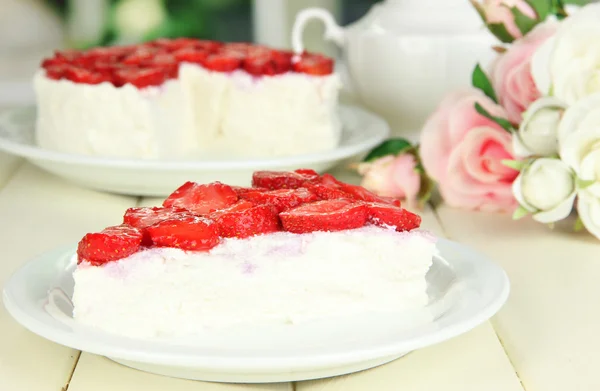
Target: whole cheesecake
293,248
187,99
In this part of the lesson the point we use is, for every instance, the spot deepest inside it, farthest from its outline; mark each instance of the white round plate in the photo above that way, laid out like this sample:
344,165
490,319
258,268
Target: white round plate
465,289
361,131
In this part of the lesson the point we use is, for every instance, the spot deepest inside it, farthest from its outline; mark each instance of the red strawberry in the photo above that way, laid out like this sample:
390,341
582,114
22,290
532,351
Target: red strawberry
242,190
110,244
186,233
222,62
267,62
57,71
238,49
307,171
248,222
202,199
80,75
324,192
141,55
282,199
389,215
191,54
145,217
141,77
331,215
237,207
314,64
275,180
356,192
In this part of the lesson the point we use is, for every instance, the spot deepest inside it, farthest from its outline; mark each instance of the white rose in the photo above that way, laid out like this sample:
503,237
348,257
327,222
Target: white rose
546,188
588,209
537,134
579,141
567,65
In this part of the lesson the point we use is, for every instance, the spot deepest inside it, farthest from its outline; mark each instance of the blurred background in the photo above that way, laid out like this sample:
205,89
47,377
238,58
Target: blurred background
32,29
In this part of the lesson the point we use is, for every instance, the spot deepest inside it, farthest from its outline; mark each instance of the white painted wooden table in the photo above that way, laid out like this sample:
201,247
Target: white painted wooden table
544,339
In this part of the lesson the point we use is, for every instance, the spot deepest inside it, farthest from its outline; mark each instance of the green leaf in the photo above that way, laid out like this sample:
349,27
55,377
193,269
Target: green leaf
578,225
503,122
542,8
523,22
514,164
393,146
481,81
583,183
558,9
479,9
500,31
519,213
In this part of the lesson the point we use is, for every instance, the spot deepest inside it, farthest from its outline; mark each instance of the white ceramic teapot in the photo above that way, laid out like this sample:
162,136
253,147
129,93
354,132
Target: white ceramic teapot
404,55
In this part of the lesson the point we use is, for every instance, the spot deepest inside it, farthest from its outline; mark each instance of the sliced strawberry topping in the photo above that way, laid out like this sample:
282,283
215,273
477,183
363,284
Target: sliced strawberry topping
324,192
57,71
314,64
307,171
80,75
202,199
186,233
110,244
267,62
247,222
145,217
222,62
141,55
192,55
331,215
282,199
241,190
275,180
389,215
141,77
354,191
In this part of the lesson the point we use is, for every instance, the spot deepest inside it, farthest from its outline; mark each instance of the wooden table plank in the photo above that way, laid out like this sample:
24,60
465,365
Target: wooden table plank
473,361
43,212
95,373
550,323
8,167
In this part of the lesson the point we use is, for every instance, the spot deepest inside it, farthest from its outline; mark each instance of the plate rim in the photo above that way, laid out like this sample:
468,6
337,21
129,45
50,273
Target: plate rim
154,355
379,128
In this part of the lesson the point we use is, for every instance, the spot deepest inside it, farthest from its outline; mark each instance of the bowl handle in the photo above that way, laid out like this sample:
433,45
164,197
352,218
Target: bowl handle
333,32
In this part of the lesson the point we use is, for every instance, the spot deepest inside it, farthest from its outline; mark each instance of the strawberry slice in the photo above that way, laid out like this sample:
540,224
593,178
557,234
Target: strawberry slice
56,71
191,54
247,222
356,192
242,190
80,75
261,61
282,199
330,215
237,207
222,62
141,55
141,77
324,192
307,171
186,233
202,199
145,217
274,180
388,215
110,244
314,64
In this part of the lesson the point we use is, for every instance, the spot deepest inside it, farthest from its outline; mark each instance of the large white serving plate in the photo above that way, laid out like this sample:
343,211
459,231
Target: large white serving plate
361,131
465,289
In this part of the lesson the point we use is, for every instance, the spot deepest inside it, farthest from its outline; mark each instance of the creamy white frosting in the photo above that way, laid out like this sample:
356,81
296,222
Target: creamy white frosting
202,114
270,279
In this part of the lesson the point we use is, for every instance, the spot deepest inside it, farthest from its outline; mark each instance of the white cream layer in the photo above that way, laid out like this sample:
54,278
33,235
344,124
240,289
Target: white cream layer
272,279
202,114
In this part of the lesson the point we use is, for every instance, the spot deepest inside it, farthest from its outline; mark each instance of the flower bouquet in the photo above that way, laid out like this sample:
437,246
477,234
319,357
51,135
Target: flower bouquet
525,137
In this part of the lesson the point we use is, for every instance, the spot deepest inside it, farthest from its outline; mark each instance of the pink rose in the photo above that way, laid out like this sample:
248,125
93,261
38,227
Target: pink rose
463,151
499,12
511,72
392,176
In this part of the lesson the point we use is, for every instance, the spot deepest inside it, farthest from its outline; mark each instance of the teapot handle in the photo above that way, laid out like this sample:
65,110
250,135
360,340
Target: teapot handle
333,32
